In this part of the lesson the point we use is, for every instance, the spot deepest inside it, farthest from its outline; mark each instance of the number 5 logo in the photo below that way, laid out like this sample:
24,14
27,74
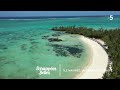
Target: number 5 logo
111,17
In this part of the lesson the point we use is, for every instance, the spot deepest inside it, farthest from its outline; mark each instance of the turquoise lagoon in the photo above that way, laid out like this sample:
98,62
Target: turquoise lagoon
25,44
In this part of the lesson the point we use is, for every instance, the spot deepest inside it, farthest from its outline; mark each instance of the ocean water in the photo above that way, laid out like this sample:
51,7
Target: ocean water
26,44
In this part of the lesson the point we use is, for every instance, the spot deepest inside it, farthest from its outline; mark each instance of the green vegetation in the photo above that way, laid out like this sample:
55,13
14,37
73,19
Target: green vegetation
112,39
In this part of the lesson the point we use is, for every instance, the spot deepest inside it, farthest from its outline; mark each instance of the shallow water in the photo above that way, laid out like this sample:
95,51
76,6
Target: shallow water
26,44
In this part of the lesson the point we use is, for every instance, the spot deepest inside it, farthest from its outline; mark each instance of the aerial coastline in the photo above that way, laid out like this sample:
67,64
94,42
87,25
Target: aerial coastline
98,61
104,44
76,46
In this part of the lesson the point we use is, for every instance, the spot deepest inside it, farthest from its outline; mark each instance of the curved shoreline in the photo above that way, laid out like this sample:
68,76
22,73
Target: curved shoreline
98,61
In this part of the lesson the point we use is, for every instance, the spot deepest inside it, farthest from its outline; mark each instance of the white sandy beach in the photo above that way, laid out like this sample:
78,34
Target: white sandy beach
98,61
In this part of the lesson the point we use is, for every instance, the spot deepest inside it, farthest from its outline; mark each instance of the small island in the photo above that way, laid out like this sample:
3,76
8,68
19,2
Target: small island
108,39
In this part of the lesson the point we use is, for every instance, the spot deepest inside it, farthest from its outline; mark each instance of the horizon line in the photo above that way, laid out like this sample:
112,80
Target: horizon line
59,16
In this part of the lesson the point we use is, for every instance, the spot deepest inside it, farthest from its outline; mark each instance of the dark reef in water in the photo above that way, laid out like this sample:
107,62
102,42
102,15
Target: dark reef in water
3,47
23,47
55,35
48,49
74,51
62,50
33,48
45,37
54,39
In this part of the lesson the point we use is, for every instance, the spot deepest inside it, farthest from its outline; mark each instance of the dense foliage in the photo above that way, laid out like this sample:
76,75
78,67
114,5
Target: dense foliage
112,39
